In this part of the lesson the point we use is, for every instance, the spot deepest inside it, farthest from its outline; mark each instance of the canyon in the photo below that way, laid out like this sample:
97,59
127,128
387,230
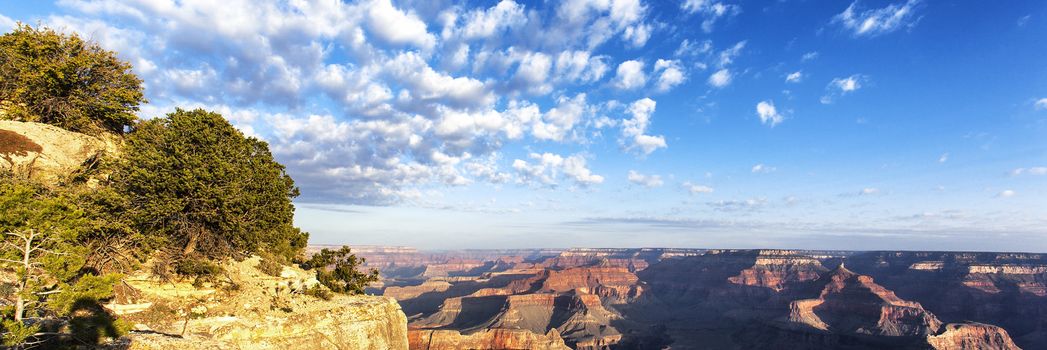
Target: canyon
650,298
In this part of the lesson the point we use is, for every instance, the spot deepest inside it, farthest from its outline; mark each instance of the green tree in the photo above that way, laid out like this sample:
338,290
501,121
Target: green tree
44,256
60,79
200,185
339,271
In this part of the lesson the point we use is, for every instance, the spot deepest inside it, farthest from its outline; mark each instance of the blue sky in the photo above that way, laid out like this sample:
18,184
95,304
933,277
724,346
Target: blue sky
618,123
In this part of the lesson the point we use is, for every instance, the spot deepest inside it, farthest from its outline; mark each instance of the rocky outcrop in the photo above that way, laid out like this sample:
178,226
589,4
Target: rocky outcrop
493,339
969,336
261,312
617,284
775,269
853,304
45,153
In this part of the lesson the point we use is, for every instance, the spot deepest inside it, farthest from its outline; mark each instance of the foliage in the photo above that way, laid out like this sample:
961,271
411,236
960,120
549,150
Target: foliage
197,268
43,244
60,79
271,265
88,287
16,332
202,187
337,270
319,292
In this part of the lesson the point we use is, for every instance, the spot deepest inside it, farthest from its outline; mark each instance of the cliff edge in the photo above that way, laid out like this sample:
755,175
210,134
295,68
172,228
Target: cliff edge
248,309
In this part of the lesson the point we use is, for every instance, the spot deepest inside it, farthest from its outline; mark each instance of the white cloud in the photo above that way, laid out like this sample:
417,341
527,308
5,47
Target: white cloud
671,74
645,180
559,121
6,24
874,22
728,55
711,10
637,35
794,77
809,56
1039,170
943,158
547,168
630,75
760,168
768,113
721,78
1006,194
487,23
634,129
398,27
842,86
868,191
580,66
533,72
1041,103
696,189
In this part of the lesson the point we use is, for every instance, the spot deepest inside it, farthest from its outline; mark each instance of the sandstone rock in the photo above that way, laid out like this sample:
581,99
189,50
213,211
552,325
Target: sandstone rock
969,336
493,339
46,153
853,304
262,312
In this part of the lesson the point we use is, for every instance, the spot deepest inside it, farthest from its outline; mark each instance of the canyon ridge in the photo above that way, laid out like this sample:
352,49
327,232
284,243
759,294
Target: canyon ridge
714,299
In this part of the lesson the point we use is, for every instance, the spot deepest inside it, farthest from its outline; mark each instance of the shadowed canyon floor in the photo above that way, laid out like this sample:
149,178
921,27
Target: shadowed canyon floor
716,299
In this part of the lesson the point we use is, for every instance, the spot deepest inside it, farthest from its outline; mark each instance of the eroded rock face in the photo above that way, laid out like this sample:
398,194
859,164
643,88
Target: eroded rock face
493,339
46,153
853,304
264,312
966,336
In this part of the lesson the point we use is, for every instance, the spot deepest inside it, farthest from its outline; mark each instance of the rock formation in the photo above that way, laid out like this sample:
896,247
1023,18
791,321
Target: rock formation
957,336
261,312
46,153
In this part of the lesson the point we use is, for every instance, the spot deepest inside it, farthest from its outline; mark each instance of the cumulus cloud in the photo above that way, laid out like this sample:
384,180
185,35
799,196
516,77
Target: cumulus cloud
645,180
395,26
794,77
873,22
630,75
720,78
671,74
580,66
548,168
768,113
482,24
868,191
842,86
943,158
1006,194
634,129
696,188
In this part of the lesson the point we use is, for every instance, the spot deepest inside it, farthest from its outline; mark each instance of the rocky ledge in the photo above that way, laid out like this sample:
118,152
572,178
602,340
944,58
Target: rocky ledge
260,312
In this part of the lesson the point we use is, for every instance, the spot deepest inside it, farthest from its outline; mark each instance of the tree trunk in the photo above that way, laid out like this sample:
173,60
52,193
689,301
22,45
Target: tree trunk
19,299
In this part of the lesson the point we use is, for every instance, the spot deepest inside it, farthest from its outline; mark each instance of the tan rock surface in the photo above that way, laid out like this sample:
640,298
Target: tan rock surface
46,153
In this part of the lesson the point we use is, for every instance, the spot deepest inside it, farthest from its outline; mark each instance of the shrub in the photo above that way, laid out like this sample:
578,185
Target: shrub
338,271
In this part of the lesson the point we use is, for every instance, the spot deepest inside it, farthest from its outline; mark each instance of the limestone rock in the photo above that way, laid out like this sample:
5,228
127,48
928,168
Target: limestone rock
962,336
46,153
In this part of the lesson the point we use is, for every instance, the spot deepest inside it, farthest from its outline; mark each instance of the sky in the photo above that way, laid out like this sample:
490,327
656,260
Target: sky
901,125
